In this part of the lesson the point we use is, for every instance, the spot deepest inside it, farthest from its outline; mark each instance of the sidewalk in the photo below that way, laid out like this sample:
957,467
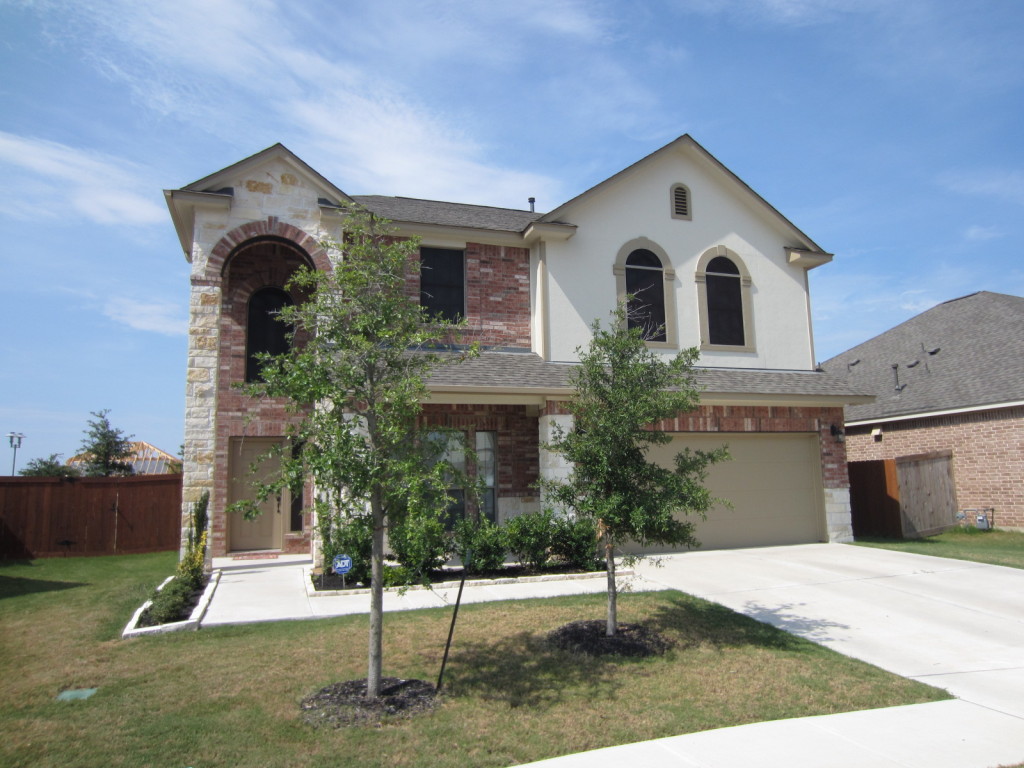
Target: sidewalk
947,734
279,589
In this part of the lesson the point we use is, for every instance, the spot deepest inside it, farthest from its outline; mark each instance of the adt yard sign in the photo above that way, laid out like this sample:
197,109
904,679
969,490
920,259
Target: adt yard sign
342,564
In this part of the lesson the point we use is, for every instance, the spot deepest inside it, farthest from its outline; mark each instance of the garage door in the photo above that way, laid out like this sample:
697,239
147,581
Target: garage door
774,484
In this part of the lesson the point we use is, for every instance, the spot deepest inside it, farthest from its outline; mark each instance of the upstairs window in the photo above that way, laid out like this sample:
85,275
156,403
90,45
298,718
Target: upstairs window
645,284
265,334
725,305
680,202
443,283
643,271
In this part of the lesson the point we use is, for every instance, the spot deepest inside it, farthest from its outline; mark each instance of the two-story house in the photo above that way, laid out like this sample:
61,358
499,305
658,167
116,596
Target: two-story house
711,265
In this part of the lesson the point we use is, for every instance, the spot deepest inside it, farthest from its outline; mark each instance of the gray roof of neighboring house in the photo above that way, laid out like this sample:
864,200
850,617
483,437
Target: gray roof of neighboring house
525,371
447,214
965,353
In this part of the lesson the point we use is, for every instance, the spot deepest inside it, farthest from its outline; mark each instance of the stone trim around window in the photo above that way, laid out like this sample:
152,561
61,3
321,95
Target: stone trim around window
746,299
669,274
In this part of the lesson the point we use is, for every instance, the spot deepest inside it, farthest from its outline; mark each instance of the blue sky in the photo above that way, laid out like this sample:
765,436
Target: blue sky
889,131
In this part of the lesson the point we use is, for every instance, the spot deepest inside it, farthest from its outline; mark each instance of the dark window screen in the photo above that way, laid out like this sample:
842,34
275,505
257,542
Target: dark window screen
443,283
645,282
264,332
725,303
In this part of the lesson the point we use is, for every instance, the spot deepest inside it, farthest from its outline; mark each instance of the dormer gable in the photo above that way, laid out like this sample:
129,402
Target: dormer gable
680,203
275,170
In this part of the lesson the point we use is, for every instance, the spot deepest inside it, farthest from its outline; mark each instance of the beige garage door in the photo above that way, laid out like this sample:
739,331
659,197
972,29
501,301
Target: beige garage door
774,484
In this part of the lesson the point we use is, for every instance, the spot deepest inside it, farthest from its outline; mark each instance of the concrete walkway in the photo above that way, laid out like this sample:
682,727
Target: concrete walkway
952,624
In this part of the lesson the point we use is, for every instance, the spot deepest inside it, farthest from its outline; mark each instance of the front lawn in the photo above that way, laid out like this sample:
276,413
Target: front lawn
994,547
229,696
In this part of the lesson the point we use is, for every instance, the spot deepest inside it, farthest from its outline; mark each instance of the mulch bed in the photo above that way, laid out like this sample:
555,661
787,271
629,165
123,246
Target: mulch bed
341,705
146,619
590,638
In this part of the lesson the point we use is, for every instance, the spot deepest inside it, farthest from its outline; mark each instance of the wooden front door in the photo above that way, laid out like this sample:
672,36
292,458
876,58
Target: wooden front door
265,531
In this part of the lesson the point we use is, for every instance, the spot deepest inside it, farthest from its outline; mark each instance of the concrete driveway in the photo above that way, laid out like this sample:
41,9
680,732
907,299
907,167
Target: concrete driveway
949,623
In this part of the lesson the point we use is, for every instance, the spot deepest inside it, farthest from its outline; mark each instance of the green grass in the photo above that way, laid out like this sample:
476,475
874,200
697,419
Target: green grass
994,547
229,696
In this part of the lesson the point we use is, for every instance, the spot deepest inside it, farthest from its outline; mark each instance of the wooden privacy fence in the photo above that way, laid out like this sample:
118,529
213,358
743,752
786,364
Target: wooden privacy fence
903,498
47,517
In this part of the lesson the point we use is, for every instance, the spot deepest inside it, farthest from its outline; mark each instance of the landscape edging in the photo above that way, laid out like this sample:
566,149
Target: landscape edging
192,623
312,591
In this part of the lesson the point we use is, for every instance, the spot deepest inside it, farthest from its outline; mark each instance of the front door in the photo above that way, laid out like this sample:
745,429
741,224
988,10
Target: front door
265,531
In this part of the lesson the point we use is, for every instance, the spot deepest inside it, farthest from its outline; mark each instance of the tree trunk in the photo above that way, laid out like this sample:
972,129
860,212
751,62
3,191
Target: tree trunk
613,616
373,675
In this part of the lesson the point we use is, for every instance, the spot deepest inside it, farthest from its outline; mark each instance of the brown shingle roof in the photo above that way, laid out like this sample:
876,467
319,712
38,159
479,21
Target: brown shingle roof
527,372
410,209
965,353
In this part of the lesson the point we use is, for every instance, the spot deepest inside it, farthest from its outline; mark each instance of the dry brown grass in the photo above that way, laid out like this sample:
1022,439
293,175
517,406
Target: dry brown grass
230,696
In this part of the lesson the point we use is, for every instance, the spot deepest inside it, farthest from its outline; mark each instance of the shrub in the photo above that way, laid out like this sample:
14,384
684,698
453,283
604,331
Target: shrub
575,541
420,545
530,538
171,602
352,536
480,544
191,569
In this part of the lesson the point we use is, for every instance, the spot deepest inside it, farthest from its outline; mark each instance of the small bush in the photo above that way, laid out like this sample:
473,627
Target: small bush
352,536
574,540
530,538
191,569
480,544
420,545
171,602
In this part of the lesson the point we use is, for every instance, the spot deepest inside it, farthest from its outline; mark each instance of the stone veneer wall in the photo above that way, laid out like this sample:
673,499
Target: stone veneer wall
988,455
256,210
749,419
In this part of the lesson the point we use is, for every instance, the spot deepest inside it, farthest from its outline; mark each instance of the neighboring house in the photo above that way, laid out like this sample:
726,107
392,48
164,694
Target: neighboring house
950,379
713,263
145,459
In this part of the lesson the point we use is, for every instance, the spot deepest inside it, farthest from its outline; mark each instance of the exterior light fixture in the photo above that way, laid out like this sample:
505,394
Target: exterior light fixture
15,439
838,433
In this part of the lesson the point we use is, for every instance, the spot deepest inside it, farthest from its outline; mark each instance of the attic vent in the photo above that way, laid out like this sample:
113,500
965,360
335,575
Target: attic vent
680,202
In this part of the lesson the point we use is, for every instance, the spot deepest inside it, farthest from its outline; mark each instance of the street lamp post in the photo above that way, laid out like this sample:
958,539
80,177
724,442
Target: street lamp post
15,439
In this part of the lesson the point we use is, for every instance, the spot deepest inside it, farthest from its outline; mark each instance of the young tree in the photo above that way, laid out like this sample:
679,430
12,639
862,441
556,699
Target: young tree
355,373
622,390
105,448
49,467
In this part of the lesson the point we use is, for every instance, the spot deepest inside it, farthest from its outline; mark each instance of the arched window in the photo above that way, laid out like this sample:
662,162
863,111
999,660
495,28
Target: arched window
645,284
643,272
264,333
724,289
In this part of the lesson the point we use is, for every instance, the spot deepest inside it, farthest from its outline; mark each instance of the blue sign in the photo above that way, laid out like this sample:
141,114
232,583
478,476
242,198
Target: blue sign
342,564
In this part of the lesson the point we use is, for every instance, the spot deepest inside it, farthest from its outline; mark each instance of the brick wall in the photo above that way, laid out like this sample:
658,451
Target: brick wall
238,415
497,295
988,455
518,457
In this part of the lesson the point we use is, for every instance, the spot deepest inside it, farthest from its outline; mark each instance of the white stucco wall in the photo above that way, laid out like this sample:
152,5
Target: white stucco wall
581,285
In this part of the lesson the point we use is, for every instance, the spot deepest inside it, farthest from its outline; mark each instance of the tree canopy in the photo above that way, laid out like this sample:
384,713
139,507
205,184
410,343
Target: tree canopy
623,389
355,376
51,466
105,448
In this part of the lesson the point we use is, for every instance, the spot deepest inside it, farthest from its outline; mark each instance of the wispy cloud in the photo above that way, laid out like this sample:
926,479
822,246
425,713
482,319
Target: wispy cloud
46,179
981,234
156,316
1007,185
249,69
